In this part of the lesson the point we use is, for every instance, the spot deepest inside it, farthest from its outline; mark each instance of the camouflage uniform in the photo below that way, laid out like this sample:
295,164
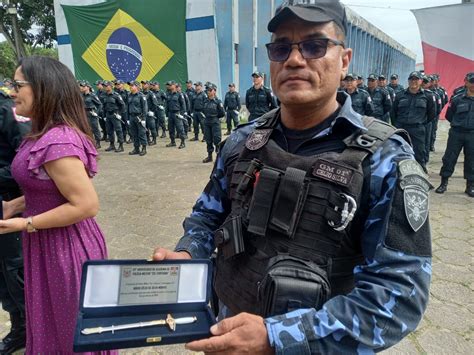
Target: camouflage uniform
391,287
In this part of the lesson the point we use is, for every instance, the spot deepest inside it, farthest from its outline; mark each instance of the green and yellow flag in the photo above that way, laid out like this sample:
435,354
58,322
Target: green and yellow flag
129,40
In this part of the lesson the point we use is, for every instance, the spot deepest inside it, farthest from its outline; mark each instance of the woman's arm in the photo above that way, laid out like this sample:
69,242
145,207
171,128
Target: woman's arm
13,207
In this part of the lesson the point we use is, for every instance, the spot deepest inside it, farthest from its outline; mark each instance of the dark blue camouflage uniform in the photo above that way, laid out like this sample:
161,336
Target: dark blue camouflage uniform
391,289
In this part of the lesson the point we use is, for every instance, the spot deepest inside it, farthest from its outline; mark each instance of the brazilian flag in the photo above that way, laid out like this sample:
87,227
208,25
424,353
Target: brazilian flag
129,40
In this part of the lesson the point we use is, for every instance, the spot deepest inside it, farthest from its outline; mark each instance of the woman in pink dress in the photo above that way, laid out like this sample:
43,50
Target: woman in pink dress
54,167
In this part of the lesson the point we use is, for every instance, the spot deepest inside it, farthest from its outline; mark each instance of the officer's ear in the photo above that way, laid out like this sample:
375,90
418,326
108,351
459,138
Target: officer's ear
346,58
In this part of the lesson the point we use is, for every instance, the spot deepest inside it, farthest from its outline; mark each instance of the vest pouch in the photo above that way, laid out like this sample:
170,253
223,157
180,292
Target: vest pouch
291,283
229,237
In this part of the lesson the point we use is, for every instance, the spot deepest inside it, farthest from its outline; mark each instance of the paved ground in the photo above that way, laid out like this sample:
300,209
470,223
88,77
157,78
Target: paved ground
144,200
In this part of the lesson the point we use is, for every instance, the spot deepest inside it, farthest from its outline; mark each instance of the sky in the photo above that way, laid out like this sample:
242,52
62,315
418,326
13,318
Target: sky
395,18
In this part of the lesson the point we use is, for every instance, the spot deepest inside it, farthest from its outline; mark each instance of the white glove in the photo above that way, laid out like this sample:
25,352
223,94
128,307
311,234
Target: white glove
117,116
143,123
236,112
161,107
151,114
94,114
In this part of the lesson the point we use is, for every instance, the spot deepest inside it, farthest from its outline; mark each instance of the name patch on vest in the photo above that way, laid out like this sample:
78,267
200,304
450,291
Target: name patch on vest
333,172
258,139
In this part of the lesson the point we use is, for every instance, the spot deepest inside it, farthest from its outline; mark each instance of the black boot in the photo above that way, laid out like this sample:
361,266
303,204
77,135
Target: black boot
143,151
171,144
97,144
182,145
163,135
153,141
443,187
16,339
470,188
135,151
208,159
120,148
110,148
195,139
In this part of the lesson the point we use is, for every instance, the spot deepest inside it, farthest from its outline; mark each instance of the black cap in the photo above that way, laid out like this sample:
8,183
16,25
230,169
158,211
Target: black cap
107,83
189,81
360,77
350,76
154,83
394,77
134,83
171,82
99,82
118,81
257,74
211,86
232,85
144,82
321,11
197,83
372,77
470,76
415,74
426,79
382,77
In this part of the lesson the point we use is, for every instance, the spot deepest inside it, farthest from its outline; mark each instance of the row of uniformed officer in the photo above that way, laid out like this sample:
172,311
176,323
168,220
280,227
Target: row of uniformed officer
213,110
361,100
93,109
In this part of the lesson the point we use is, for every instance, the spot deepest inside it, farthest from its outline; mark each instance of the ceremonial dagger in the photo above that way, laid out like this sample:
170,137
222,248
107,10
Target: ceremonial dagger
169,321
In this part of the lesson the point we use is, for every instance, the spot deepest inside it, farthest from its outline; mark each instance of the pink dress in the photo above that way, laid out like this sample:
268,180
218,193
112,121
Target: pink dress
53,257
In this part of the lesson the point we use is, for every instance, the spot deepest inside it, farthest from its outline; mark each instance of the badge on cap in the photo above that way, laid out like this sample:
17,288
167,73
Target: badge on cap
415,186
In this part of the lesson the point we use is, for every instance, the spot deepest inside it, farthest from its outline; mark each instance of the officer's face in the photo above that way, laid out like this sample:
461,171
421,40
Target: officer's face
372,83
470,86
231,88
382,82
189,85
351,84
133,89
414,83
24,97
300,81
198,88
394,81
108,88
211,93
257,80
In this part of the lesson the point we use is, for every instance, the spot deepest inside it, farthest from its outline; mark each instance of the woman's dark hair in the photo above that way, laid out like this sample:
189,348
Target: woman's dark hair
57,97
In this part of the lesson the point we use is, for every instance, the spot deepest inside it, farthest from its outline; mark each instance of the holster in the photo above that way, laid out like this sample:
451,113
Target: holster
292,283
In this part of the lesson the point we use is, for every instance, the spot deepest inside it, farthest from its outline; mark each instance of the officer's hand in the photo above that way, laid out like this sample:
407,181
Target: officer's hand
243,334
166,254
7,209
12,225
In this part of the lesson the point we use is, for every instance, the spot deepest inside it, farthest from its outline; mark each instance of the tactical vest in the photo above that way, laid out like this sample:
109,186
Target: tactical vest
300,206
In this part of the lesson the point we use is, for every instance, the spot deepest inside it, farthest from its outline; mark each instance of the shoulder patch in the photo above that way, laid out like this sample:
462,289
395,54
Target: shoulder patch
258,138
415,185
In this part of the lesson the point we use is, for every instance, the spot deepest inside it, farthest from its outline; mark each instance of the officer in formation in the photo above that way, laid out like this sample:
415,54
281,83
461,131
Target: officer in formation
460,89
310,185
383,84
360,83
93,109
444,100
361,101
137,113
460,114
232,107
160,117
259,99
190,92
412,110
381,101
397,88
197,105
102,122
119,89
175,110
113,108
152,102
213,110
427,85
12,130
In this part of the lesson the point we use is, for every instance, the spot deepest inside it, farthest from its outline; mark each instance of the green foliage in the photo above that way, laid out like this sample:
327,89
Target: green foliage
8,60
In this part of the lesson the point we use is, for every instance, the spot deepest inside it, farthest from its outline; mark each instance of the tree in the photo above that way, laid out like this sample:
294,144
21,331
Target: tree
33,25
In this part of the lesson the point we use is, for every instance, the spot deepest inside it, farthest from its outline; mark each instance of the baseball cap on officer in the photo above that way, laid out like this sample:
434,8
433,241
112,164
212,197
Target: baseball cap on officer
321,11
107,83
99,82
134,83
257,74
372,77
382,77
415,75
470,77
171,82
198,83
118,82
350,77
360,77
232,85
189,81
211,86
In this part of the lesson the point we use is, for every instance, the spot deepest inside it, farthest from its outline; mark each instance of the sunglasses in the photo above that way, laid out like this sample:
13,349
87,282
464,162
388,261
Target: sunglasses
309,49
18,84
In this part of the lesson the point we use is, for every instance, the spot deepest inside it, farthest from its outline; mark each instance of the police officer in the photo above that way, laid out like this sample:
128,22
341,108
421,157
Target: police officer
102,120
213,110
176,108
381,101
460,89
190,92
383,84
93,110
113,107
119,89
137,113
361,101
444,100
12,130
427,85
232,107
461,136
198,105
160,117
152,101
360,83
277,207
186,115
259,99
395,85
412,110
